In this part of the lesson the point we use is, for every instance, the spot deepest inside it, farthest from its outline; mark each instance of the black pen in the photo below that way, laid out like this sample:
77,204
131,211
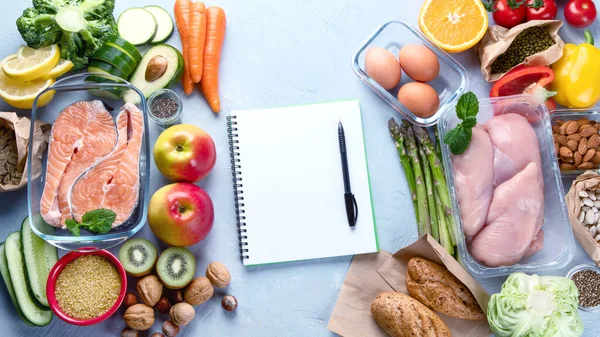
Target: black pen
350,201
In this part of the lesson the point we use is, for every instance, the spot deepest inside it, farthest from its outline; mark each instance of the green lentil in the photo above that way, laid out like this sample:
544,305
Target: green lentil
530,41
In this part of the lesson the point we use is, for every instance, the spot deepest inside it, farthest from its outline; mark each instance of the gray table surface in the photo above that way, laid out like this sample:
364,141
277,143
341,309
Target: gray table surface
276,53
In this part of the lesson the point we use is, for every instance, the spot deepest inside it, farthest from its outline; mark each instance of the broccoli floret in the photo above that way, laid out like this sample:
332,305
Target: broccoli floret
79,27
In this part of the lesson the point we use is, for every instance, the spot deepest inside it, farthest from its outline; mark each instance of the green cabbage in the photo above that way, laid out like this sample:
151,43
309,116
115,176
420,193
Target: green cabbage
535,306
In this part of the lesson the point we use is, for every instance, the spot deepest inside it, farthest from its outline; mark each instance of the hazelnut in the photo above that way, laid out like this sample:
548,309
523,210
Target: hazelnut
182,313
163,306
129,332
129,300
156,68
170,329
218,274
199,291
177,296
150,290
229,303
157,334
139,317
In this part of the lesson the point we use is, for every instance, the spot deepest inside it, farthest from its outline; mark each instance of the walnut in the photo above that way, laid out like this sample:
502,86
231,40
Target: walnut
150,290
139,317
199,291
218,274
182,313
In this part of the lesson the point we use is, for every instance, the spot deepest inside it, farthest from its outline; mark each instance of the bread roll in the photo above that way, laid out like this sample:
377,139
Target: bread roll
434,286
400,315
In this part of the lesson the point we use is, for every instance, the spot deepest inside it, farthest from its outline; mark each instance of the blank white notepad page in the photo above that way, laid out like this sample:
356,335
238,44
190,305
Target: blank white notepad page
293,186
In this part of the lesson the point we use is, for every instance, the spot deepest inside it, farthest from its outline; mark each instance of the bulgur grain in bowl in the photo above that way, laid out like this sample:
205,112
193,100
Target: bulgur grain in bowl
86,287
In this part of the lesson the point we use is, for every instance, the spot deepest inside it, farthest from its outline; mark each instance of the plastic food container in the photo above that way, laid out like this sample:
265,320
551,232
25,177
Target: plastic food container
580,268
569,115
559,245
70,90
451,82
57,269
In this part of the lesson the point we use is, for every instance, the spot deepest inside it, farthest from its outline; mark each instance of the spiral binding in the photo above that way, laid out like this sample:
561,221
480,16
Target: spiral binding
238,192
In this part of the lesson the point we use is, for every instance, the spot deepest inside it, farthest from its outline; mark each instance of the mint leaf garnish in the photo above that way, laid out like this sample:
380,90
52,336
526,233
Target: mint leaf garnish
98,221
459,138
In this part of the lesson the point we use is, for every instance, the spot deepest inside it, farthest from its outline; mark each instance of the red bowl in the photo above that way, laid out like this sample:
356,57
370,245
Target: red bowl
57,269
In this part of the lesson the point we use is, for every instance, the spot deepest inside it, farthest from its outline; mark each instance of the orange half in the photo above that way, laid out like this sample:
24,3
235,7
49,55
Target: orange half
453,25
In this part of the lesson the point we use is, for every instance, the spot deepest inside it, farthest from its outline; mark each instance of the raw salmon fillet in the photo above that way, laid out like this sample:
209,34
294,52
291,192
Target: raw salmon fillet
114,182
82,134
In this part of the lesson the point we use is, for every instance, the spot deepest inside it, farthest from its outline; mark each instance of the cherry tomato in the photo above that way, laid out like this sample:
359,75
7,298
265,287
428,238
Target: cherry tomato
540,10
506,13
580,13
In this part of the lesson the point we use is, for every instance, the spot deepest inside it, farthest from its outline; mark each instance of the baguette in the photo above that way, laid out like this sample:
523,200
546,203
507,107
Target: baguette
434,286
400,315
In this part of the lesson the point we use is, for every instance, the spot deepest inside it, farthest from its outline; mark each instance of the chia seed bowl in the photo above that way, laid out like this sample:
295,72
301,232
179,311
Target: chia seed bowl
164,107
586,268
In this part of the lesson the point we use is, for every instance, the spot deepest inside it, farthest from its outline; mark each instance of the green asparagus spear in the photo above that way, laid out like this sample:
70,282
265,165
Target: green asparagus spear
430,197
438,144
398,136
424,220
445,240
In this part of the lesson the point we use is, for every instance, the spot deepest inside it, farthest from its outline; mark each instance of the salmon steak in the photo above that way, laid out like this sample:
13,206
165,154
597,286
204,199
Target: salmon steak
114,182
83,133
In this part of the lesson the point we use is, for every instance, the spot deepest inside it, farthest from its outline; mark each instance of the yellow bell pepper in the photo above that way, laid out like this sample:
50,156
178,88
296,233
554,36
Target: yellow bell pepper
577,75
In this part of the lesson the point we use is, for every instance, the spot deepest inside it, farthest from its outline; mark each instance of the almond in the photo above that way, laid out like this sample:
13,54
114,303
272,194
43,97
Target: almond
567,167
556,129
583,146
559,123
572,145
588,155
556,148
586,166
577,158
572,128
583,127
583,121
597,126
562,139
565,153
576,137
563,128
596,158
593,141
588,132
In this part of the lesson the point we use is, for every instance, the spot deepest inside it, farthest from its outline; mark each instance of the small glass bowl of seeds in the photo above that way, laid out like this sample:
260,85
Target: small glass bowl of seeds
164,107
587,280
86,287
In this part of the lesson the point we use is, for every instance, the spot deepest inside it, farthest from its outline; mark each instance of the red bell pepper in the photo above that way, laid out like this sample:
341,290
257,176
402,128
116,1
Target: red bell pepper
526,80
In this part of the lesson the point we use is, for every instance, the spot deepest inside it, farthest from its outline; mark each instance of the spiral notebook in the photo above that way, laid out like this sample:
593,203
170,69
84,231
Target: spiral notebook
288,183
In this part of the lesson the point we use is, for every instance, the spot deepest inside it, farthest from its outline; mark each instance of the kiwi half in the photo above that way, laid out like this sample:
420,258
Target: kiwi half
138,257
176,267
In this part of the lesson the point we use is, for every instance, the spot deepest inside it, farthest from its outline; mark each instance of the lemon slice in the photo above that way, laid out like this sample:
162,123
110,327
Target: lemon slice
30,63
61,68
21,94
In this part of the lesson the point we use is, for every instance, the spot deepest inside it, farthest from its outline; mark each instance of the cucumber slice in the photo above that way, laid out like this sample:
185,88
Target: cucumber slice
165,24
116,58
137,26
115,93
40,257
16,268
103,67
116,41
8,283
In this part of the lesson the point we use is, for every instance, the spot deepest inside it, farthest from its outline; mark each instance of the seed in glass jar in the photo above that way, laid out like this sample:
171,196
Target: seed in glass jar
164,107
587,282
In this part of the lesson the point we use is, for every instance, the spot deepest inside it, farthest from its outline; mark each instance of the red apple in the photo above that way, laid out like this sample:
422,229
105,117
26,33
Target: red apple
185,152
181,214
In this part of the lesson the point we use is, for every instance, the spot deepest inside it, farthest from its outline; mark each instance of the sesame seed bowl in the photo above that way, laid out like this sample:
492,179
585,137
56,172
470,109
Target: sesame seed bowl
86,287
584,278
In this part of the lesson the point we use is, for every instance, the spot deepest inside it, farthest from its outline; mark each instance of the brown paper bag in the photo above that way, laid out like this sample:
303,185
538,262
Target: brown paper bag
590,180
497,40
372,274
21,125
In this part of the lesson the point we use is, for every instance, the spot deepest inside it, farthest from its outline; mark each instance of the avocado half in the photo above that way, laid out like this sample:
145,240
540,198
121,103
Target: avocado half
170,77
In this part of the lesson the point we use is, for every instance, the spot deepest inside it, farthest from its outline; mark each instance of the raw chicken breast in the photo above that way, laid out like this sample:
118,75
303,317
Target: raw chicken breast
474,177
536,245
512,222
515,146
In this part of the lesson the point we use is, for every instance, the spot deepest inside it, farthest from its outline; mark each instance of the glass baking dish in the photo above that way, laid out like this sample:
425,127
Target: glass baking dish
580,268
67,91
451,82
569,115
559,244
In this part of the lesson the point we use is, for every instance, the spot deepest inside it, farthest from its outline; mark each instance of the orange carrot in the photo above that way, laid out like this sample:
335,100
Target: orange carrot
182,11
197,37
215,35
